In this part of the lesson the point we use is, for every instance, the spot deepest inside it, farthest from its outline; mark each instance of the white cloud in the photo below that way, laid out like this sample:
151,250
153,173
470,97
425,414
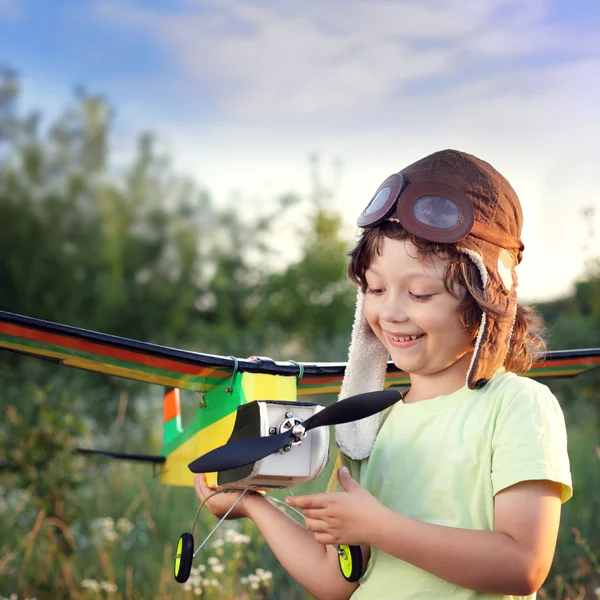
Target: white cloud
318,61
380,84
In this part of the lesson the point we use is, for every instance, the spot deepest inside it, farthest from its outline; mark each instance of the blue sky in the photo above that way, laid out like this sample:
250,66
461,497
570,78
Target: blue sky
241,92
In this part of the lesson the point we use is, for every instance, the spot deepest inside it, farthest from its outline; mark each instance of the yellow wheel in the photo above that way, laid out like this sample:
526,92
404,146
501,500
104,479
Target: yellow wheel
350,558
184,557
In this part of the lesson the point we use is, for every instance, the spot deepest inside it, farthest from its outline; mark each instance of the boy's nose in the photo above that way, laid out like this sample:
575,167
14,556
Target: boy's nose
393,310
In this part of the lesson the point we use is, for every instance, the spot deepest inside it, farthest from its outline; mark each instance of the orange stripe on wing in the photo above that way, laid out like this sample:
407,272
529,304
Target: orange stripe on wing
567,362
109,351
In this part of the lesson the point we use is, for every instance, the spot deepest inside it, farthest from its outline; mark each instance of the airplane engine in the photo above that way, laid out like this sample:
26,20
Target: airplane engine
298,462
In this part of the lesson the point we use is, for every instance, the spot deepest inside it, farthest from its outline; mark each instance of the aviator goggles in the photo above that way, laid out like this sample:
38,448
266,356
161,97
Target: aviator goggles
431,210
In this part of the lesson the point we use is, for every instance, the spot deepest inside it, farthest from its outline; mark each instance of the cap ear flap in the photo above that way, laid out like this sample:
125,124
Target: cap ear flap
493,336
365,372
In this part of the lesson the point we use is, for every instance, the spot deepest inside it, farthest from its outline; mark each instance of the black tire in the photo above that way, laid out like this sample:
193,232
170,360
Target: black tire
184,555
350,558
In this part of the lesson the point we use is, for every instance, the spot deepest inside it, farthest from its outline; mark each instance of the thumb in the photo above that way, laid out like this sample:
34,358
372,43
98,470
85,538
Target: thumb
348,484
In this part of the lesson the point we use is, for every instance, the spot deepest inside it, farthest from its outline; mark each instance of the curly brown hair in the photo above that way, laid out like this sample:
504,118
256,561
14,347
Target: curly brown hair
527,341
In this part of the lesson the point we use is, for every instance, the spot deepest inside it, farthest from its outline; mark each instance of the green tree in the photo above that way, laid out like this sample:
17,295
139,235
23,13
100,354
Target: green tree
309,305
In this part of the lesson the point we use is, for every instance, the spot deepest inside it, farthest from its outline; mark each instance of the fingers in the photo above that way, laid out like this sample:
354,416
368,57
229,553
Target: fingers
321,527
314,525
325,539
314,513
200,486
311,501
323,534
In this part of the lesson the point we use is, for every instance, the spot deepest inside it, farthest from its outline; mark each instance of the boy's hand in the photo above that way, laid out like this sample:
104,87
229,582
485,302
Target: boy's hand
341,517
221,503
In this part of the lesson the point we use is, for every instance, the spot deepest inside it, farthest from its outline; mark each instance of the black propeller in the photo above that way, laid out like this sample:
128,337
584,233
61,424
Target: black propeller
247,451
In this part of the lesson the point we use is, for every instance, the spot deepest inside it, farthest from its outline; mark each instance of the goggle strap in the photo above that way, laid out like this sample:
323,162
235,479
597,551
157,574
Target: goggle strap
503,240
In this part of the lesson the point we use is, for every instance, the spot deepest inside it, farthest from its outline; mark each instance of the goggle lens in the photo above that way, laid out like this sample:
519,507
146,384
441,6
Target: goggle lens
435,211
379,201
432,210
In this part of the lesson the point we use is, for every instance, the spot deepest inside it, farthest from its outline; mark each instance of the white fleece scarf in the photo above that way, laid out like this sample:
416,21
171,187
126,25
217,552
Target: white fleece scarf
365,372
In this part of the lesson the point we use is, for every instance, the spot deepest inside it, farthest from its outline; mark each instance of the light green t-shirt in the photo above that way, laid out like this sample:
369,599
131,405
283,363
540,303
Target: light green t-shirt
442,461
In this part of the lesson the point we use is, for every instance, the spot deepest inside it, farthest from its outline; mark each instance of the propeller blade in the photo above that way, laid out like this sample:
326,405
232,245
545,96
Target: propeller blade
240,453
353,408
248,450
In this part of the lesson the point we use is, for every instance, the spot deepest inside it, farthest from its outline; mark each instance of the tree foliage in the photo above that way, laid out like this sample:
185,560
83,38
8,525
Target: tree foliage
136,250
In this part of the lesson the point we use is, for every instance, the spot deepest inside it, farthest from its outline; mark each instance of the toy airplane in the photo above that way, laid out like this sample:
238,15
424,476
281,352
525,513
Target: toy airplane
229,388
250,431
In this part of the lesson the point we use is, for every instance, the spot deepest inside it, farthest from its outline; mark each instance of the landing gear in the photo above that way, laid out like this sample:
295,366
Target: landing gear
184,557
350,558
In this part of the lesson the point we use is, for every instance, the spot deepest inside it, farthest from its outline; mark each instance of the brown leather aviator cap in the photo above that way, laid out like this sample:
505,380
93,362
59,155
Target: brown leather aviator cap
454,197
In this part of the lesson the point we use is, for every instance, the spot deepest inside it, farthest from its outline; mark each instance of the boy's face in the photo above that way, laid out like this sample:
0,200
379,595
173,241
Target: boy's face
406,297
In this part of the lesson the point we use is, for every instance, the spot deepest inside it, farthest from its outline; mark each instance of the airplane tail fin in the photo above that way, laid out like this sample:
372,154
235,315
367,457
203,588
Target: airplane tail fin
171,415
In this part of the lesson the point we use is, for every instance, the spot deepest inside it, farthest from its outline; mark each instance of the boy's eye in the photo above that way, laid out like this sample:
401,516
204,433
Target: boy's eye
375,291
421,296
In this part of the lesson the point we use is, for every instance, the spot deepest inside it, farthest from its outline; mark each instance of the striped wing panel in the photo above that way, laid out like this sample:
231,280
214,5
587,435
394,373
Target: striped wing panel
112,355
189,370
560,363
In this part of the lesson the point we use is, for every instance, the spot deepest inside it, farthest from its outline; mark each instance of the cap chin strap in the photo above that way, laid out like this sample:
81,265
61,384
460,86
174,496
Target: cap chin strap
477,259
365,372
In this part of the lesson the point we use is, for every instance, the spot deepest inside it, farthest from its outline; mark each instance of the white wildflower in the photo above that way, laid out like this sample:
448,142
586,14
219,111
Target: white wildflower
111,535
213,560
254,585
124,525
234,537
264,575
197,591
91,584
187,586
218,543
218,568
108,586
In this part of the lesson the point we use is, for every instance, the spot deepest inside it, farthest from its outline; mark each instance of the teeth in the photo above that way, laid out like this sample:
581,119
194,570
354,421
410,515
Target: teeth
404,339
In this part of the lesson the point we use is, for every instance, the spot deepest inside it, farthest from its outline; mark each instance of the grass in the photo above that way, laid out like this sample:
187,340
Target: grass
120,536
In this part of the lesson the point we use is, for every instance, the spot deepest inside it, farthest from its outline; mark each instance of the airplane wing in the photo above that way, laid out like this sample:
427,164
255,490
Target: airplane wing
187,370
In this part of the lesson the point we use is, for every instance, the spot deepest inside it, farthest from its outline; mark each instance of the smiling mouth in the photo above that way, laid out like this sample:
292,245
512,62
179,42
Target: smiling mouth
404,338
